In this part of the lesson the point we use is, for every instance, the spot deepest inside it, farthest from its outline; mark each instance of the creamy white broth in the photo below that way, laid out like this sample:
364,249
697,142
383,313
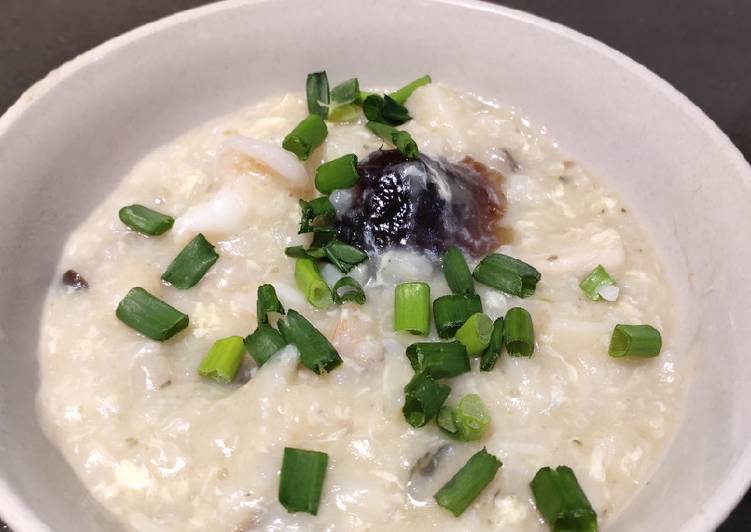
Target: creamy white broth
165,449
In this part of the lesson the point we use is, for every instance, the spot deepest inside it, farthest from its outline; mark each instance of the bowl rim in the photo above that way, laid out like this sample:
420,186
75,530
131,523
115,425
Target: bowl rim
717,506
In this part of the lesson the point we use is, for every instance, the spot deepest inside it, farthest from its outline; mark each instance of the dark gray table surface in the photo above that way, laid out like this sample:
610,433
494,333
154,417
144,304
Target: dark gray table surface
702,47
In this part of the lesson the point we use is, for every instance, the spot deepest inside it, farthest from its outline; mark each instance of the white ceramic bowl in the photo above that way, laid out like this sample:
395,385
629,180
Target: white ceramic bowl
72,136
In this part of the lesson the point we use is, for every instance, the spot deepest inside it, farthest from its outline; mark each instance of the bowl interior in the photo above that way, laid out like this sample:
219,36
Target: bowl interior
72,137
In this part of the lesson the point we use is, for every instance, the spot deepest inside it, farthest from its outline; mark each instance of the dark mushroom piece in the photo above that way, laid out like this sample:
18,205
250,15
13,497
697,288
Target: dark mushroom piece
75,280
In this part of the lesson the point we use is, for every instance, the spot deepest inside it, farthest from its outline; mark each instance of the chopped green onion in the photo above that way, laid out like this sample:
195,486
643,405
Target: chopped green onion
344,256
439,360
423,399
562,502
316,213
465,486
311,283
405,92
450,312
337,174
344,113
401,139
191,264
493,351
144,220
352,291
223,360
641,341
518,333
321,237
316,352
317,91
475,333
385,109
507,274
263,343
597,279
267,302
301,479
445,420
306,137
457,273
412,308
298,252
346,92
150,316
471,418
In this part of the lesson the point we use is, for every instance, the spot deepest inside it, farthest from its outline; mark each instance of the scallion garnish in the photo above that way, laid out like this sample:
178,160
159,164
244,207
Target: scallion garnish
316,214
405,92
599,280
507,274
450,312
348,289
468,421
337,174
306,137
316,352
317,91
385,110
518,333
223,360
401,139
321,237
191,264
464,487
344,113
150,316
475,333
641,341
346,92
439,360
445,420
493,351
311,283
423,399
301,479
267,302
262,343
343,256
145,221
457,273
412,308
561,501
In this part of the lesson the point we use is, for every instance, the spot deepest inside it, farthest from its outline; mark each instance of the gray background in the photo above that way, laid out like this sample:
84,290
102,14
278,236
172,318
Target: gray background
702,47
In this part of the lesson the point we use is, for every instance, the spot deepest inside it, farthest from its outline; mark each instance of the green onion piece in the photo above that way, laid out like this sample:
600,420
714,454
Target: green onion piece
385,110
223,360
191,264
311,283
471,418
346,92
450,312
561,501
306,137
321,237
316,213
352,291
493,351
465,486
518,333
507,274
150,316
337,174
301,479
144,220
597,279
344,113
401,139
445,421
423,399
298,252
457,273
263,343
412,308
344,256
316,352
405,92
317,91
362,97
642,341
267,302
475,333
439,360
